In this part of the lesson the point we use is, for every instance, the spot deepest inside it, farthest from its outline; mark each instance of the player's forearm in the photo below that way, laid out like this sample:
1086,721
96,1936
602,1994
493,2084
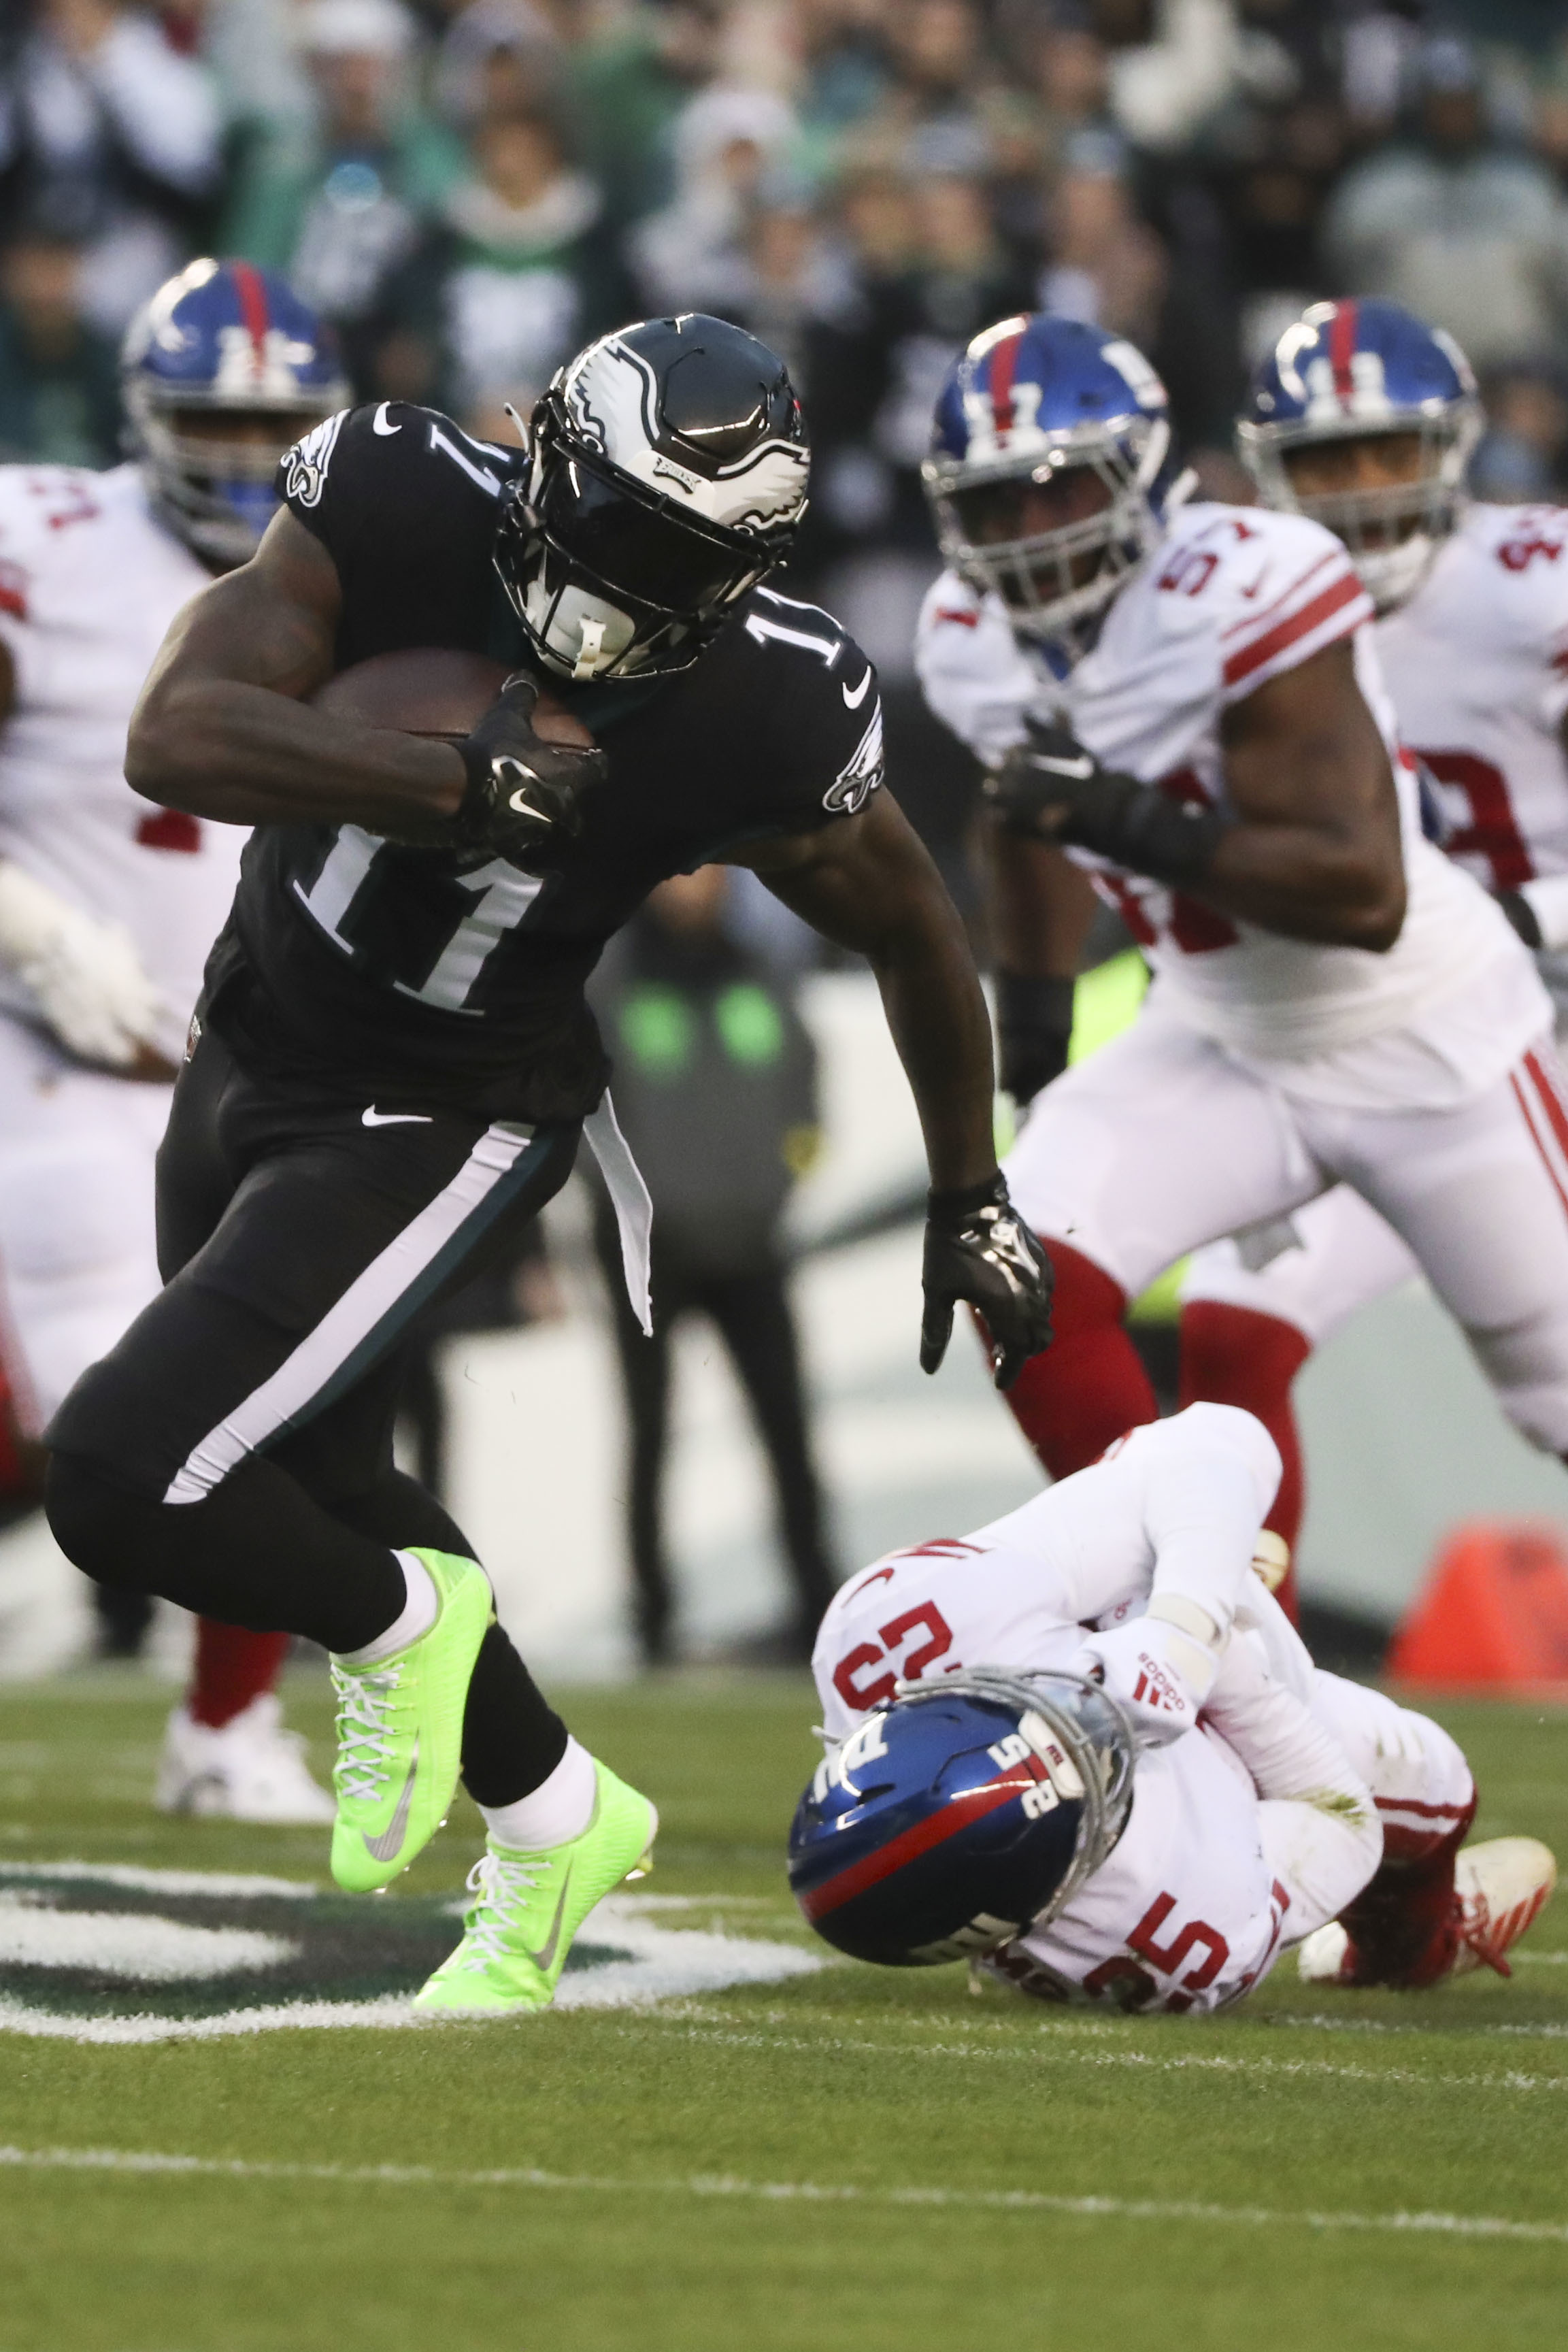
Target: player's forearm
937,1018
241,755
1308,883
1041,906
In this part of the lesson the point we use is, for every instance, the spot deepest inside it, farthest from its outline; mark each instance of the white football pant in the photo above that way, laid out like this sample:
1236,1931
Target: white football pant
78,1256
1162,1143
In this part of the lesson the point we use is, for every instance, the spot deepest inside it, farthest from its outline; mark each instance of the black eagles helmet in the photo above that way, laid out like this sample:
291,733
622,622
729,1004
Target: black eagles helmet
667,476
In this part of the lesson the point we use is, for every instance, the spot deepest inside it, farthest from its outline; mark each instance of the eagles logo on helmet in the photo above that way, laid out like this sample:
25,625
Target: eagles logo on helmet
1345,371
667,476
220,373
960,1813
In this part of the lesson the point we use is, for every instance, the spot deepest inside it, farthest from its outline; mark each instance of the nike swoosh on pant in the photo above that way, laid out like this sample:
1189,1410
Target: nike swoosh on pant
546,1953
390,1840
396,1118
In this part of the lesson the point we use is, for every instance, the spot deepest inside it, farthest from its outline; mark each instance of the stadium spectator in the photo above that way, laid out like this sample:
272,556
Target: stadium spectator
716,1089
515,273
338,202
59,382
1462,228
105,128
691,256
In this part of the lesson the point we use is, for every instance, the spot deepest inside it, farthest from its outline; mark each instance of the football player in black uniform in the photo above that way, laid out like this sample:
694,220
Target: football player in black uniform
393,1062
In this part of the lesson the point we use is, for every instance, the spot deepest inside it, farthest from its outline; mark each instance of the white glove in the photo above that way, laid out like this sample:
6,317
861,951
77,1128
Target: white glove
86,976
1161,1671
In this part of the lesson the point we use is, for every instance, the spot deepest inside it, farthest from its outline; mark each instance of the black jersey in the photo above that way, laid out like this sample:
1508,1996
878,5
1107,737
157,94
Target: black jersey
424,974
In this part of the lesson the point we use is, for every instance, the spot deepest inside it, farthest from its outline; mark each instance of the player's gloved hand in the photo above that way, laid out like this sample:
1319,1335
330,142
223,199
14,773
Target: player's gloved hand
85,976
524,796
1049,787
979,1248
1034,1030
1161,1673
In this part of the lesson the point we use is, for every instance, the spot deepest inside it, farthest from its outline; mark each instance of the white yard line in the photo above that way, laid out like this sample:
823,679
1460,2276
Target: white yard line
1016,2052
145,2163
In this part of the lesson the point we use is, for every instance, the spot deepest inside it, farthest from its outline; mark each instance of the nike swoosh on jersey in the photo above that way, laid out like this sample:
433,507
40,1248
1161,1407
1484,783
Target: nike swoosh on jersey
390,1840
373,1117
546,1953
379,421
1080,769
525,807
852,701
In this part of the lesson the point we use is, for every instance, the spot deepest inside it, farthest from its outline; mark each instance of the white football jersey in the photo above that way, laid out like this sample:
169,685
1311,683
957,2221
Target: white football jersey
89,585
1230,597
1477,664
1187,1901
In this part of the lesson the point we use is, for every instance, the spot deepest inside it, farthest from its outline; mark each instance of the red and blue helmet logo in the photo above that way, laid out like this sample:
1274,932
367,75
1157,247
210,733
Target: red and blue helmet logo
1025,382
1358,366
231,335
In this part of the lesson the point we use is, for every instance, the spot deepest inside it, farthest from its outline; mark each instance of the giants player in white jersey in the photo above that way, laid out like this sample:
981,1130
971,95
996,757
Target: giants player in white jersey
1334,1001
1270,1804
108,908
1365,419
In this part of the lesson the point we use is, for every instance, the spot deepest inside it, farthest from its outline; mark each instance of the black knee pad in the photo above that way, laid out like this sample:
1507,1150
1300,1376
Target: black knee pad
90,1519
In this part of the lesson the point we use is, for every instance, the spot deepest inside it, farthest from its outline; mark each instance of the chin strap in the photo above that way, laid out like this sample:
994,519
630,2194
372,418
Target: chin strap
591,649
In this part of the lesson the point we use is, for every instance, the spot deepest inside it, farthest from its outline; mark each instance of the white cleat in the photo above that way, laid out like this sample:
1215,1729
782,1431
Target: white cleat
1321,1958
1500,1889
1503,1888
247,1769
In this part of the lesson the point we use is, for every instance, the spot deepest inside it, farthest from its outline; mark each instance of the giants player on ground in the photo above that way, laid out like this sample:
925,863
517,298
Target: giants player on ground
107,906
1334,1001
394,1060
1267,1805
1365,419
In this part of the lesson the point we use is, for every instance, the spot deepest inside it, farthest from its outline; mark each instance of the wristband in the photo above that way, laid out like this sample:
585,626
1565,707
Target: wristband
1024,1001
991,1193
1136,826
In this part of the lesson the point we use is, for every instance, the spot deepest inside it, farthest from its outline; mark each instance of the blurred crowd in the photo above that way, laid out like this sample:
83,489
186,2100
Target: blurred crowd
472,188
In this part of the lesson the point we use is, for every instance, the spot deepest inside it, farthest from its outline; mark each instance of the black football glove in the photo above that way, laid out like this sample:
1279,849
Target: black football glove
977,1248
1051,788
523,795
1034,1030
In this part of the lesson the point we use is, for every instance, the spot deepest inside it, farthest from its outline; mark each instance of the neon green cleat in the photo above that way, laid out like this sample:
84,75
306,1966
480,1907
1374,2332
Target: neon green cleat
400,1732
530,1905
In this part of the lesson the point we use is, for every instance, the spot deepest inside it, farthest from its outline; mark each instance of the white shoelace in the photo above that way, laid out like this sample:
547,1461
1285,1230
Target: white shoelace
500,1882
365,1703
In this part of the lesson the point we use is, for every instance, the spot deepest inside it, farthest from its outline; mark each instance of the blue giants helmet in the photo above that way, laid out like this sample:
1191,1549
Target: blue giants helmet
222,372
1029,401
960,1812
1346,370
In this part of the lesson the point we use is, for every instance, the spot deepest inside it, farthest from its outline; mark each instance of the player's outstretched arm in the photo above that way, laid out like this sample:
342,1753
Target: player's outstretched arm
1309,845
868,884
224,729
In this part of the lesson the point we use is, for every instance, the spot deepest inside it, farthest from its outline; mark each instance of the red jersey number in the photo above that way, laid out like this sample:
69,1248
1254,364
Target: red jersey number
926,1618
1492,833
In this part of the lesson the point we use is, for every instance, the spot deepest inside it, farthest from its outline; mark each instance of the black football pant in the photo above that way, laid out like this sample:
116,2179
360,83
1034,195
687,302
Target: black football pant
234,1452
752,1315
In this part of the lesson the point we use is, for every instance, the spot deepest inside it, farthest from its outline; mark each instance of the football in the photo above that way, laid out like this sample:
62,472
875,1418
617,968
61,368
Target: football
436,690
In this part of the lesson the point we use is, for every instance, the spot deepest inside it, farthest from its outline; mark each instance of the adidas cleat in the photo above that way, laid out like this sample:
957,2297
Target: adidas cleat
1500,1889
517,1933
400,1732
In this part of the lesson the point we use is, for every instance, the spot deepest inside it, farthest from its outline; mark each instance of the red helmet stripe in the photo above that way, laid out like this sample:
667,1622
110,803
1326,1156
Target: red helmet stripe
1342,344
970,1805
251,288
1004,364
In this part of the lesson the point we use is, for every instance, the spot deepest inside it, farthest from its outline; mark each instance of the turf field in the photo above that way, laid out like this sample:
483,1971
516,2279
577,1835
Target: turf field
823,2161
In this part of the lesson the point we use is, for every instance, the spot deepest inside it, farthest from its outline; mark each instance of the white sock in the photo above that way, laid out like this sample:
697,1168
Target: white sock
420,1611
558,1809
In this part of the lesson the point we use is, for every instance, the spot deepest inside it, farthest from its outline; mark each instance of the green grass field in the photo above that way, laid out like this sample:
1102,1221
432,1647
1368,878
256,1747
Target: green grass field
841,2159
